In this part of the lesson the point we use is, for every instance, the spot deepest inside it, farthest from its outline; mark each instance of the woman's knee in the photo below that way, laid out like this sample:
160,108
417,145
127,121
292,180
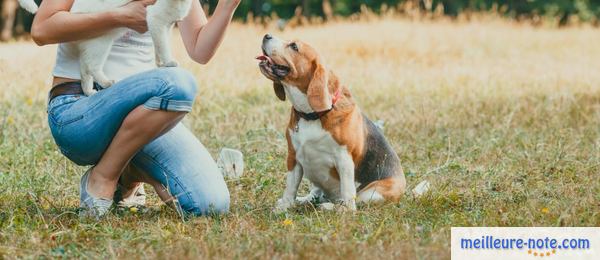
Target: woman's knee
204,192
179,83
176,90
203,203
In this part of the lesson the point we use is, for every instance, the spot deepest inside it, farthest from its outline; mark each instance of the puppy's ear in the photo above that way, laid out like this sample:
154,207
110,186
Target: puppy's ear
279,91
318,90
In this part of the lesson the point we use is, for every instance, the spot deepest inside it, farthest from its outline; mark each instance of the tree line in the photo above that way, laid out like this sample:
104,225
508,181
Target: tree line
585,10
15,21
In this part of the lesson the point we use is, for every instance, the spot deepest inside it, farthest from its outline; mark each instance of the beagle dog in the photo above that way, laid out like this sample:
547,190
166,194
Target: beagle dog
330,142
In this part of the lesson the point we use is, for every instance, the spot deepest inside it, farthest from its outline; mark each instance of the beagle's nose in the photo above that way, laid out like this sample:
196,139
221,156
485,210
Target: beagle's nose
267,37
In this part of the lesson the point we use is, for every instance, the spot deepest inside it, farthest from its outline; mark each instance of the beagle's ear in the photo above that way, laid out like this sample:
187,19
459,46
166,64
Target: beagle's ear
318,90
279,91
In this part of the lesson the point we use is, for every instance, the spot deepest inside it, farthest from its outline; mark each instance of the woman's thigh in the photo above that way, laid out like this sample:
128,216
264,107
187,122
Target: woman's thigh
83,127
182,164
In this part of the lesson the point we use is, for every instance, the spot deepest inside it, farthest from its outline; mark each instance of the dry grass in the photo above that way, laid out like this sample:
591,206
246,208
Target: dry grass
502,118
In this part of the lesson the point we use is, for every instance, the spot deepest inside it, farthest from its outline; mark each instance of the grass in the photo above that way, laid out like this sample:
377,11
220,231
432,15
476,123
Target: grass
502,118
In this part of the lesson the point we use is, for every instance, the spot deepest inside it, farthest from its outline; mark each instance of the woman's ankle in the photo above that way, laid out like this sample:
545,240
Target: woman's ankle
101,187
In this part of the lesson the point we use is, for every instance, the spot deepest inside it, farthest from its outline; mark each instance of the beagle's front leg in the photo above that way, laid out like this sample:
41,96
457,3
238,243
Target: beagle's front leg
345,168
316,194
294,177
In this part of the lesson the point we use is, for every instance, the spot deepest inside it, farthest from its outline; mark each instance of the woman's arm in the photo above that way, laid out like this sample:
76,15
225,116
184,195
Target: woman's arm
202,37
54,23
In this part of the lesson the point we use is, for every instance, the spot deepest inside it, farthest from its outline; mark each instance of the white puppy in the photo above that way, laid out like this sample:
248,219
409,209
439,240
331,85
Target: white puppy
93,53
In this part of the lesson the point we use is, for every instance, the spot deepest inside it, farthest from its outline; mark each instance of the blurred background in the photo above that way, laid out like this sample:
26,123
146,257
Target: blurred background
16,22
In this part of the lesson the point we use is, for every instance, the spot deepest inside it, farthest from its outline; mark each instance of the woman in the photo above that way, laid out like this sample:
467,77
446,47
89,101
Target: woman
131,132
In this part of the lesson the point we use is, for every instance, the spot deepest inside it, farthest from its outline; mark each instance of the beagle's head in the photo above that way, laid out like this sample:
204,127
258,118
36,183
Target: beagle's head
297,66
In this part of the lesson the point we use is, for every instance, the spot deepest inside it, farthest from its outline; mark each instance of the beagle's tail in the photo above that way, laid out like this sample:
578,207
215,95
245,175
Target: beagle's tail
29,5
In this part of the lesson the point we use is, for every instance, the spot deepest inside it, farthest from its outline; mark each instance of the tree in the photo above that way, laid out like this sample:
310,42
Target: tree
14,21
7,18
327,10
306,8
257,7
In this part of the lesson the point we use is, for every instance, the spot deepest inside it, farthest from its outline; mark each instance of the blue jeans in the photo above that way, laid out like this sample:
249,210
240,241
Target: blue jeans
83,127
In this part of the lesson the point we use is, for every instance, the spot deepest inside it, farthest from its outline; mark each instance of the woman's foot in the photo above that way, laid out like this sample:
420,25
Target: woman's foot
91,205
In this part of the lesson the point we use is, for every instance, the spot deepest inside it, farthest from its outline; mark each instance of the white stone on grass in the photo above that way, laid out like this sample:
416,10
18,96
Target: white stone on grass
421,188
231,163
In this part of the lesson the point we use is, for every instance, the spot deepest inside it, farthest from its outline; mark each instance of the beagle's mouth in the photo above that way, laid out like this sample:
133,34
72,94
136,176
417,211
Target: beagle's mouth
268,66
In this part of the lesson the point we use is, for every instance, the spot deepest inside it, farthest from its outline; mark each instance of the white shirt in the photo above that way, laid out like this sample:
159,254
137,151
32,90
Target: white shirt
130,54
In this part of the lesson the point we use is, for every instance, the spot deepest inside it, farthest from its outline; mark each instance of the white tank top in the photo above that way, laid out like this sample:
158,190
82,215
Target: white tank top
130,54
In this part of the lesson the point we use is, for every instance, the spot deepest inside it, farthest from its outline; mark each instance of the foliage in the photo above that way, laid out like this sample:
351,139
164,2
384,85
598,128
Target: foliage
584,9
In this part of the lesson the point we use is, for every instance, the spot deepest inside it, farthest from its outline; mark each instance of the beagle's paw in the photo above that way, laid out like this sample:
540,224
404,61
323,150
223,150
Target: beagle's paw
327,206
282,205
308,199
348,205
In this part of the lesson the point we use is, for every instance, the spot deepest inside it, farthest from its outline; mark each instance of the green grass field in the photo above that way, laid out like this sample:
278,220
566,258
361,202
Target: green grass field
502,118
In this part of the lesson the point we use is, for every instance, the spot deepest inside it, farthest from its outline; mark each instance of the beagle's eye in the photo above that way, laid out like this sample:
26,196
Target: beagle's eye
294,46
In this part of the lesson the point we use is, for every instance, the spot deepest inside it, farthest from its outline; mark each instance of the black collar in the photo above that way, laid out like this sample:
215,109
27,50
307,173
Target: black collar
312,116
317,115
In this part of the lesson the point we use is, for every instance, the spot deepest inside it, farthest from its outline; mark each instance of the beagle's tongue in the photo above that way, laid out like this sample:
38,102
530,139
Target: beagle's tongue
264,58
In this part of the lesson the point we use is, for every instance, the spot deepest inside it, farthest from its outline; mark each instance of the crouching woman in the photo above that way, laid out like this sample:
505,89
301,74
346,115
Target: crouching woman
131,133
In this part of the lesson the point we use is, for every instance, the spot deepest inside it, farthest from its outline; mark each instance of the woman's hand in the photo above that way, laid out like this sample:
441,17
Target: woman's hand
54,23
133,15
230,4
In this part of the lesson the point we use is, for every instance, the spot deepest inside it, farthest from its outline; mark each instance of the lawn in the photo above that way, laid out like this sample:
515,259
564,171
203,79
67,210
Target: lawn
502,118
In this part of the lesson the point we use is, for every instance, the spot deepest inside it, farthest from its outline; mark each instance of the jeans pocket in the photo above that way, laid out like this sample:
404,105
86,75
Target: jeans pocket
63,121
59,113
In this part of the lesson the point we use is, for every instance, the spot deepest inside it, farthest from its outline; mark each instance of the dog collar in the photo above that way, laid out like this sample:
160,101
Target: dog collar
317,115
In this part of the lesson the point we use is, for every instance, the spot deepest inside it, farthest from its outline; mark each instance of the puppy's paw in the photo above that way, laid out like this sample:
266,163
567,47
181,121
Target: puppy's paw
282,205
168,64
106,83
90,92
